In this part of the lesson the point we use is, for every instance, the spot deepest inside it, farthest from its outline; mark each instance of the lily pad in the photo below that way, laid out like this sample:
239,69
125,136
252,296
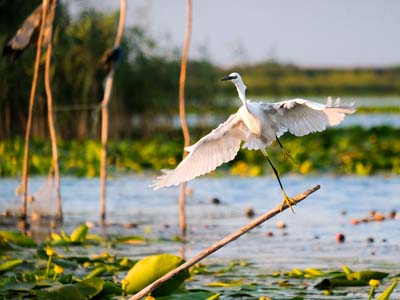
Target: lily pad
150,268
8,265
17,238
84,290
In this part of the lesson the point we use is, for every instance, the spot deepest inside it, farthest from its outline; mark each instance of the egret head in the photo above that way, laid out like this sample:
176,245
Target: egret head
234,77
238,82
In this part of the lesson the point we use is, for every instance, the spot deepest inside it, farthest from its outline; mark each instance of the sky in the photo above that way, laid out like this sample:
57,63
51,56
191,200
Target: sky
319,33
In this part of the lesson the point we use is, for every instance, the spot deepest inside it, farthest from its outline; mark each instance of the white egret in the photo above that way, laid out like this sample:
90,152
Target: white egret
257,124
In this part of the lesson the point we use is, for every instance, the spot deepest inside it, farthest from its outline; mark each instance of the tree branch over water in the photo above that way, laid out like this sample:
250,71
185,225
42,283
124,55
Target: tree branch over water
233,236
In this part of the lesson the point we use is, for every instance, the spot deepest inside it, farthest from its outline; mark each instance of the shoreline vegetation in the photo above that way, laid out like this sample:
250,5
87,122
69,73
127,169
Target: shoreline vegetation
354,150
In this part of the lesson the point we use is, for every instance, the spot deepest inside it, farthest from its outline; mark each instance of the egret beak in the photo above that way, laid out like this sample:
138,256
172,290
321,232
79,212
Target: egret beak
228,78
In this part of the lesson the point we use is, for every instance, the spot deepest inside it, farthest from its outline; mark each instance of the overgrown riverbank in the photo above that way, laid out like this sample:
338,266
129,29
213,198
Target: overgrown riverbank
343,151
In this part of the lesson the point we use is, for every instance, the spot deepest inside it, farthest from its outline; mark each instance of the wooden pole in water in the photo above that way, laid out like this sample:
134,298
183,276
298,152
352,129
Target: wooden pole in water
104,116
24,184
233,236
182,114
50,116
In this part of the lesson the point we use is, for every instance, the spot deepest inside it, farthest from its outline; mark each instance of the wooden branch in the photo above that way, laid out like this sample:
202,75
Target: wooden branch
25,165
182,114
50,117
104,116
233,236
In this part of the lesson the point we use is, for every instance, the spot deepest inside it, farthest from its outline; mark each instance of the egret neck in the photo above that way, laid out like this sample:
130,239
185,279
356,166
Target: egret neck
241,88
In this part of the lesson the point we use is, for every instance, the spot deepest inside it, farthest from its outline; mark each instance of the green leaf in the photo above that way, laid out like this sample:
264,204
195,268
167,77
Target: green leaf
150,268
17,238
110,288
367,275
192,295
8,265
96,272
84,290
90,287
79,234
64,263
233,283
327,284
63,292
386,293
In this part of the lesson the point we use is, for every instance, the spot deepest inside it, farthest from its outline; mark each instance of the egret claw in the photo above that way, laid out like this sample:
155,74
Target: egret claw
288,201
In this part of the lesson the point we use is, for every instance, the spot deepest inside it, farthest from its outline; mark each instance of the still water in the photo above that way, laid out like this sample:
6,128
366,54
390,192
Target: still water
307,241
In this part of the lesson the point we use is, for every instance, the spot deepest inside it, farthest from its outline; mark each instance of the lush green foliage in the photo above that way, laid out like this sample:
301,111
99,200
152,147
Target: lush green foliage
146,79
342,151
52,270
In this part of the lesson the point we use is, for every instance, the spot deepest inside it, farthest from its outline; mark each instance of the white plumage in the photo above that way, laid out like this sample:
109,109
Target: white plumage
257,124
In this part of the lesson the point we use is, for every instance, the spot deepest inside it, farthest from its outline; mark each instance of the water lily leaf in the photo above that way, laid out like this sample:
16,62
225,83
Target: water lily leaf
386,293
90,287
63,292
65,263
367,275
150,268
18,286
79,234
192,295
131,239
8,265
84,290
225,284
96,272
327,284
109,288
17,238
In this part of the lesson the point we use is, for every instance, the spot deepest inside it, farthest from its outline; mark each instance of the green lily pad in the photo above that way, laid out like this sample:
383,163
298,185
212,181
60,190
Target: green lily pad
327,284
17,238
150,268
367,275
84,290
8,265
192,295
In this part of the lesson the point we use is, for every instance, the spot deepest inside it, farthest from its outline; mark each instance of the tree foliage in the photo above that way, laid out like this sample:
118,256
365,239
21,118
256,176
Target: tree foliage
146,78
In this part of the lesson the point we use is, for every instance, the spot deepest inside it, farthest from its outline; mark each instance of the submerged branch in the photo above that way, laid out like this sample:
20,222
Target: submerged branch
233,236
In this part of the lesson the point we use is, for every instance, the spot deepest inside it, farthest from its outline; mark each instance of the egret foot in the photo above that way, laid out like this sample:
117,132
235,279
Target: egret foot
289,201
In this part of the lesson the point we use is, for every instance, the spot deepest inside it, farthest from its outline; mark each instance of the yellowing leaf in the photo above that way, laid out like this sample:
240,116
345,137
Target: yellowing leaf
149,269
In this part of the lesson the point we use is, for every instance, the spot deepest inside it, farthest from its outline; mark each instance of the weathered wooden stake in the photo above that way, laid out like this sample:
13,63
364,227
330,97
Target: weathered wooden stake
182,114
25,166
104,116
50,116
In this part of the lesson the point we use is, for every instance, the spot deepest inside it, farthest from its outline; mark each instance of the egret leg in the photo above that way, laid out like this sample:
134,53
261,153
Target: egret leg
286,153
286,198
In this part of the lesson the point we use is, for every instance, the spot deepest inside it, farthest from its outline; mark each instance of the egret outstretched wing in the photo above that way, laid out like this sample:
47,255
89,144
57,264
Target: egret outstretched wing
301,117
219,146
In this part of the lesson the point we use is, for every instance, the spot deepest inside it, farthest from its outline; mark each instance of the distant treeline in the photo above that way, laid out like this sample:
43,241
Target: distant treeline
146,79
